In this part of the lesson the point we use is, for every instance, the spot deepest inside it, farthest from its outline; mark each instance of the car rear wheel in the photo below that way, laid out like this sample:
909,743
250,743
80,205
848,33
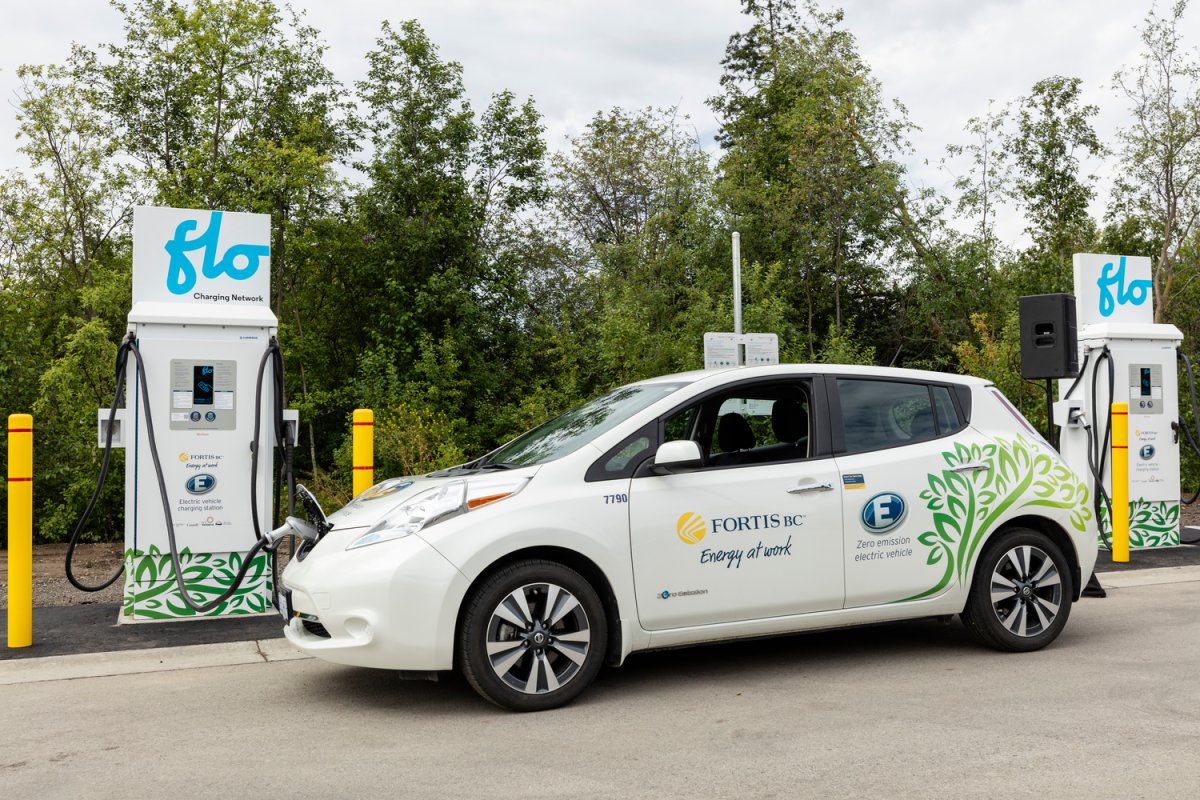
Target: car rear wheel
533,636
1022,592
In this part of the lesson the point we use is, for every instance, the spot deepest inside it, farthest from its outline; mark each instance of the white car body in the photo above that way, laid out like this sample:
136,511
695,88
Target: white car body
711,553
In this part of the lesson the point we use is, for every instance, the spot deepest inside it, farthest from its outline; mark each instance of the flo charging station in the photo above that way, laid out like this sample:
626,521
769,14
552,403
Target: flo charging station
1106,348
200,442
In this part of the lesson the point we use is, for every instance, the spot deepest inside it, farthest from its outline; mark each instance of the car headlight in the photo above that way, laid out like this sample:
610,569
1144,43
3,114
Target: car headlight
434,505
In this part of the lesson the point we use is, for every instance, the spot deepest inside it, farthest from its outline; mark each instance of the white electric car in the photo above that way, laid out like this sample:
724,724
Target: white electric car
701,507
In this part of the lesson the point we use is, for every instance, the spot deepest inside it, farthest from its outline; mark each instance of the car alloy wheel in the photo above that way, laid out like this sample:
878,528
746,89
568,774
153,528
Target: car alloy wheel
533,636
538,638
1026,591
1022,592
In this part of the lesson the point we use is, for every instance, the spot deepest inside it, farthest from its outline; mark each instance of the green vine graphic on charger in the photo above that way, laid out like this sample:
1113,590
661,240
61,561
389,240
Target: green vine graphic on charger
152,592
1152,523
966,504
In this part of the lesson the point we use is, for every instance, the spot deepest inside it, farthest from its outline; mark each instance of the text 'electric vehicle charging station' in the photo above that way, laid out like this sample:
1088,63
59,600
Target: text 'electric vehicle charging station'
201,419
1124,356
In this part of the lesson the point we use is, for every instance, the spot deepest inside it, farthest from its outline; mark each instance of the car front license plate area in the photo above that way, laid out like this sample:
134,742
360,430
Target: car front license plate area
285,605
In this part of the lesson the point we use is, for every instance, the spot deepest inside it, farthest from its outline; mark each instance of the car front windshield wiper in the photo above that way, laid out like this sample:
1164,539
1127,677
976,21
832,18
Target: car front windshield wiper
499,465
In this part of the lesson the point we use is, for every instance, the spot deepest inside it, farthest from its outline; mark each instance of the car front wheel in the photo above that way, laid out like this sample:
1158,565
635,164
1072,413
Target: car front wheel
1022,592
533,636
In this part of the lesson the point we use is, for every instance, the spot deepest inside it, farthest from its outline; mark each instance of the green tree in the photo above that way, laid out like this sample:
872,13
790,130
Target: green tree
1159,176
441,284
1053,132
809,172
634,193
987,182
66,247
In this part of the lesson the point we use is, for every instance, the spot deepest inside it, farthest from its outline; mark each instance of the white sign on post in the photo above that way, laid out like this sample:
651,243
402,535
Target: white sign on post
193,256
721,350
761,349
734,350
1112,289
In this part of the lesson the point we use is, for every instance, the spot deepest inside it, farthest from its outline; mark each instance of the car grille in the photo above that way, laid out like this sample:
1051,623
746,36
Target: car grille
316,628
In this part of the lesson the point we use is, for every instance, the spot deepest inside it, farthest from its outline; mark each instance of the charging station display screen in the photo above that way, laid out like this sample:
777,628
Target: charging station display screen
202,385
1145,381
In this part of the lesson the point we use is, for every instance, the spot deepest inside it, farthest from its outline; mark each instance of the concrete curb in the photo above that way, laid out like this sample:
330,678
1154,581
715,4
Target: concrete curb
1148,577
131,662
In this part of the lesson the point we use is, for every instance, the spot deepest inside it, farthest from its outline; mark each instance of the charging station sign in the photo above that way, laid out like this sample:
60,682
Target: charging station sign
201,257
1113,289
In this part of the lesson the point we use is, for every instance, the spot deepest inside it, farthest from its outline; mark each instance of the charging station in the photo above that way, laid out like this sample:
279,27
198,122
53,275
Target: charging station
1125,356
199,445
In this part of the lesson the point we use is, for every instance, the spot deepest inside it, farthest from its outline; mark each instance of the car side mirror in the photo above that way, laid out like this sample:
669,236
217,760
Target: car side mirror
678,456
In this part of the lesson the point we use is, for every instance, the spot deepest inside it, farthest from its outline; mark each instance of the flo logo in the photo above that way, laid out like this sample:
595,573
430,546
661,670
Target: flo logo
883,512
181,272
691,527
1134,293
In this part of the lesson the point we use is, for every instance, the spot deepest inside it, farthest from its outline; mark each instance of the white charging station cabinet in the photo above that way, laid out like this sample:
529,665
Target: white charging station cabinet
1115,312
202,320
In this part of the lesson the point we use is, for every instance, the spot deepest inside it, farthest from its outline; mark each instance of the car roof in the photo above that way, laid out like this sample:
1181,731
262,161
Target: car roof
823,369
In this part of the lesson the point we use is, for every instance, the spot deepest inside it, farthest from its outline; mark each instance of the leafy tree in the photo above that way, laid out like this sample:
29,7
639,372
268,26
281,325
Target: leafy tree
441,283
634,192
66,284
808,171
1053,130
1159,179
987,183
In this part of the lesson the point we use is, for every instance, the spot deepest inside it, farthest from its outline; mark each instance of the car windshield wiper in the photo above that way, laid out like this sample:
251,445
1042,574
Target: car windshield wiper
499,465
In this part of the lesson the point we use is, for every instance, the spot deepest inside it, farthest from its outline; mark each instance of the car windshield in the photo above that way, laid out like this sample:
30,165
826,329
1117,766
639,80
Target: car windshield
567,433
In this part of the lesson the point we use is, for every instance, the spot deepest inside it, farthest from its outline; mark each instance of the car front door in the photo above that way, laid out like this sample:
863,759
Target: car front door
756,531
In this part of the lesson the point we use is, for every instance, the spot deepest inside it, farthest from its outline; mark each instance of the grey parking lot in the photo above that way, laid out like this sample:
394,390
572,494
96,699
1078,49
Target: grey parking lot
912,710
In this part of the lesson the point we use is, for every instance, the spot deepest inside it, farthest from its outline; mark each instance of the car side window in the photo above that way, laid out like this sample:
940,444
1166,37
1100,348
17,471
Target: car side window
748,425
944,410
879,413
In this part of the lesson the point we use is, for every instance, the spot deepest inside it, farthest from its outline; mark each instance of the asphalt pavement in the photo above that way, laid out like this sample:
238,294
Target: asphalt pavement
94,628
912,710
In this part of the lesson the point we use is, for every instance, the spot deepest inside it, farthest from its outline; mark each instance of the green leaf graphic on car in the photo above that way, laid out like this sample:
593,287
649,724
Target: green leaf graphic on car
966,505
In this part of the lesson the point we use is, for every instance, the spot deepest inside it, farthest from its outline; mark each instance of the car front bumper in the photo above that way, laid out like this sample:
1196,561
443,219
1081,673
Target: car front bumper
392,605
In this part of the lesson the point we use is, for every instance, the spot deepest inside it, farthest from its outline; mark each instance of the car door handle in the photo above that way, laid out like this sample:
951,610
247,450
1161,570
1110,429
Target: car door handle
804,488
974,466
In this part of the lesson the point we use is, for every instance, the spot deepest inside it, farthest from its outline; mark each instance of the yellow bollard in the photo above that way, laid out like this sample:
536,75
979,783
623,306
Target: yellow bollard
1120,482
20,530
364,450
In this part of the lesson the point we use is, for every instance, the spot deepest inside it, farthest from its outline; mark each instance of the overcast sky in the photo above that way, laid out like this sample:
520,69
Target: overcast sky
944,59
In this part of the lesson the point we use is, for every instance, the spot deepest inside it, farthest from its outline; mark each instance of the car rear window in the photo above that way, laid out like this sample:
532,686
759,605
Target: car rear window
880,413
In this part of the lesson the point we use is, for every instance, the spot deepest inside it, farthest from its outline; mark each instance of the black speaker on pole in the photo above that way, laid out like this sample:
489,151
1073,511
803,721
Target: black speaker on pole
1049,347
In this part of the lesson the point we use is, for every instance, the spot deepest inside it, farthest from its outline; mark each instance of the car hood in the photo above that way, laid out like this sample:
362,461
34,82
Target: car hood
377,502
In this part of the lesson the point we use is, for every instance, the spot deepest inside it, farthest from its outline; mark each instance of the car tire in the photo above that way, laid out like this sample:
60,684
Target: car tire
1022,592
533,636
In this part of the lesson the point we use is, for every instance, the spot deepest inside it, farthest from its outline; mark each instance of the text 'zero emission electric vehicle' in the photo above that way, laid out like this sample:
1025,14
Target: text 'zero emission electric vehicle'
701,507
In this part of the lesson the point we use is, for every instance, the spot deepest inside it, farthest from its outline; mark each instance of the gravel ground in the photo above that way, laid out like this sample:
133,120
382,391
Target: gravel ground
94,563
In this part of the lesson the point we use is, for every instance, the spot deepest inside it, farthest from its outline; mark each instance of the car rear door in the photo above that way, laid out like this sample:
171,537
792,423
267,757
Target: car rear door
899,446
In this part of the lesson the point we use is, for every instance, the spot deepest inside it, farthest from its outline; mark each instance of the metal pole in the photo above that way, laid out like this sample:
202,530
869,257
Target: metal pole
737,283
